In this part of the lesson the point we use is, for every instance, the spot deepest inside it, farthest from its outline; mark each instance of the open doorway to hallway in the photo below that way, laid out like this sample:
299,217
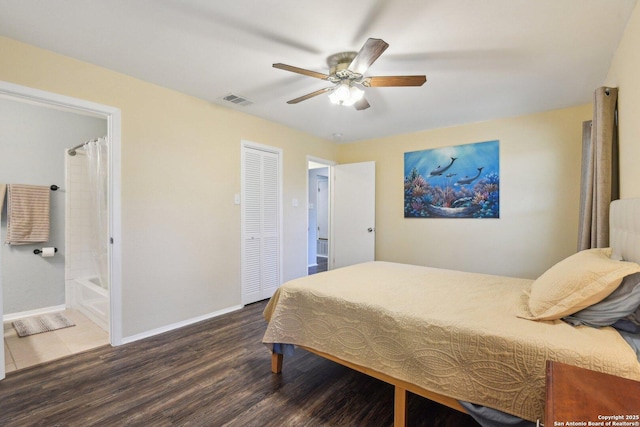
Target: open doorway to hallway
318,229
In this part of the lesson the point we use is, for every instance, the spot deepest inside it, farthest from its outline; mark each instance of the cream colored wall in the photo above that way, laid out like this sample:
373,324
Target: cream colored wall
624,73
180,171
540,159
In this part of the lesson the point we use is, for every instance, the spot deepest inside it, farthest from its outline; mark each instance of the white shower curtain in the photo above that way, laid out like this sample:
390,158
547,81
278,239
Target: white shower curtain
98,166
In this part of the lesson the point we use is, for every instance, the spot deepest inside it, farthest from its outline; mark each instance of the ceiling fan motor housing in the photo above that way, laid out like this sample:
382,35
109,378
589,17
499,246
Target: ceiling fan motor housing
340,61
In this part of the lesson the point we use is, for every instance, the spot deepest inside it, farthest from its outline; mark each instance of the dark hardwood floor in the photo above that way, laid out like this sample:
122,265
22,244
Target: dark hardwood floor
213,373
322,264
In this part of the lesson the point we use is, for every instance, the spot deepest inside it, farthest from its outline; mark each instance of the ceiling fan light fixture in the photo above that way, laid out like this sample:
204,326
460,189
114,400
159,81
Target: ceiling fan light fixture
346,72
356,94
346,94
340,94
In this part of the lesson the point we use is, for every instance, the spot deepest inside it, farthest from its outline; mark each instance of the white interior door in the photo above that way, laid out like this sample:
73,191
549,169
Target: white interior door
261,223
353,218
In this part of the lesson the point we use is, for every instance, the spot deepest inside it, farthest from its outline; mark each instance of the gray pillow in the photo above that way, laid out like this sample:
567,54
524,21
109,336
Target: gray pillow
622,302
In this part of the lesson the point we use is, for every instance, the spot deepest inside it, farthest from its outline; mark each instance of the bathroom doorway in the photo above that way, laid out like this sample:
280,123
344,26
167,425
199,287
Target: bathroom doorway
108,122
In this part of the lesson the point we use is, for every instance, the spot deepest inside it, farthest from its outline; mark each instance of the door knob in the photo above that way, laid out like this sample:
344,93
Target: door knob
370,230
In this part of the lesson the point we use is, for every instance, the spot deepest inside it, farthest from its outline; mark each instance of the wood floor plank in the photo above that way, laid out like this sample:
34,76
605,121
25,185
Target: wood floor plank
213,373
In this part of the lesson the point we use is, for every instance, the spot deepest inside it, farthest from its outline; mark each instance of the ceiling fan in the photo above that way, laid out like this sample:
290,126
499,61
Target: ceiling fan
347,73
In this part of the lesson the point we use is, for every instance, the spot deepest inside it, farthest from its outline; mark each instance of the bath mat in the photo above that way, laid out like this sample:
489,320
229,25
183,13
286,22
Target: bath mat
39,324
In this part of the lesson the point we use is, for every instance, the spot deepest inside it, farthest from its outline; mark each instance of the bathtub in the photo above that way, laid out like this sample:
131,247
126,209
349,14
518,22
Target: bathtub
92,300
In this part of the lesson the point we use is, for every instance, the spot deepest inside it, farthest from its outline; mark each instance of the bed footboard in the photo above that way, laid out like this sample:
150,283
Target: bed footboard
400,407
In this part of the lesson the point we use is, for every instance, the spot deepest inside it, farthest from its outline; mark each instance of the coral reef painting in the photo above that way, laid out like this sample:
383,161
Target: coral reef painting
462,181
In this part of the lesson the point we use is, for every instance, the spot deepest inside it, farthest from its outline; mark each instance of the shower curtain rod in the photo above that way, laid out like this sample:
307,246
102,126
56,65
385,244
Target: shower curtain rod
72,151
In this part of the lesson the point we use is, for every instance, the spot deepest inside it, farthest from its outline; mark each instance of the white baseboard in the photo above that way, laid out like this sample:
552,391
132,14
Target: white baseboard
147,334
21,315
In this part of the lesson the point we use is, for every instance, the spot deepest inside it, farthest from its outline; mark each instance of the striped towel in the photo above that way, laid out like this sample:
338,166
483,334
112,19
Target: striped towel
3,189
27,214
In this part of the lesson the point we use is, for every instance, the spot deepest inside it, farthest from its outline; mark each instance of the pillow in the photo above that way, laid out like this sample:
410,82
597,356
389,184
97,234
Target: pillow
577,282
622,302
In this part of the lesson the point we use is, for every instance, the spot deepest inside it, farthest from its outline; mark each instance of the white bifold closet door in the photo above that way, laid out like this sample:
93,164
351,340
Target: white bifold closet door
261,223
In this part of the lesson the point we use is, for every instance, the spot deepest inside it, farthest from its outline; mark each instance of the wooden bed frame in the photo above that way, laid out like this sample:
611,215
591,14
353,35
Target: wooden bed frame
401,387
624,239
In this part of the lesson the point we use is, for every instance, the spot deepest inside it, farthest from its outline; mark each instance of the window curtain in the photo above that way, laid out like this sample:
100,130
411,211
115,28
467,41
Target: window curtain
599,183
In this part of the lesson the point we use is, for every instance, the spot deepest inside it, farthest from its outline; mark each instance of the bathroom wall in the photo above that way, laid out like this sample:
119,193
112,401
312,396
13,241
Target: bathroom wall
33,140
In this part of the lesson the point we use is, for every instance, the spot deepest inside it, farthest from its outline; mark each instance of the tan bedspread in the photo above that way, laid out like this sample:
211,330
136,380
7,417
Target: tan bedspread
446,331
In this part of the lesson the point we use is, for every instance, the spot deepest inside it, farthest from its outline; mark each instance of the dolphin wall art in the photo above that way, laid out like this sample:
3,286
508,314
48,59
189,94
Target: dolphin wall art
441,169
461,181
467,180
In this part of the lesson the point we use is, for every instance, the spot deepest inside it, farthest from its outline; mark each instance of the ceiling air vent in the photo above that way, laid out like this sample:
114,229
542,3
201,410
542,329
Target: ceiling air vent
238,100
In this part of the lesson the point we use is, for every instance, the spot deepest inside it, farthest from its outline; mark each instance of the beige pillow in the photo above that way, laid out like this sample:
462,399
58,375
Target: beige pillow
577,282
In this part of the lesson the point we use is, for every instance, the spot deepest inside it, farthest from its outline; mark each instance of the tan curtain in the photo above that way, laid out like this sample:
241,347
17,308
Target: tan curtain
599,184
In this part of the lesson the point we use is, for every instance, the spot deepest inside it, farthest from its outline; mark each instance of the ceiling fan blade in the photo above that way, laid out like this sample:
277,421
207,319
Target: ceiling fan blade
371,51
301,71
387,81
362,104
310,95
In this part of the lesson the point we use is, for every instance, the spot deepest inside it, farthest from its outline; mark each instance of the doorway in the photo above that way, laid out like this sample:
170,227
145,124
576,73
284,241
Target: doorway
350,204
318,202
112,117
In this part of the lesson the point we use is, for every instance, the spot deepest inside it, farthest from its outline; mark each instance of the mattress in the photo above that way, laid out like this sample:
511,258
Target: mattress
450,332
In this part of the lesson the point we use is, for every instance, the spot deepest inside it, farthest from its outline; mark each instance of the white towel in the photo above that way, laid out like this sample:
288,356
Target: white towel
27,214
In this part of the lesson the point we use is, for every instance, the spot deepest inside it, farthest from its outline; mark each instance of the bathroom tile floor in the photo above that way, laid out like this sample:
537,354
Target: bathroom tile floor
20,353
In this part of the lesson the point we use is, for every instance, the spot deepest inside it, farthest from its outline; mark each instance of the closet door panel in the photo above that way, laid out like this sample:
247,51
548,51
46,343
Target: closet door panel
261,219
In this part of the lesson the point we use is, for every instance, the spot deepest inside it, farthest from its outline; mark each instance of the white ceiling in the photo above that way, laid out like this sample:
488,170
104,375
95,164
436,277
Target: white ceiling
483,59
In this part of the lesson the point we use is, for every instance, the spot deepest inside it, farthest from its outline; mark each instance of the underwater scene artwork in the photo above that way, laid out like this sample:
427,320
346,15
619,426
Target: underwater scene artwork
462,181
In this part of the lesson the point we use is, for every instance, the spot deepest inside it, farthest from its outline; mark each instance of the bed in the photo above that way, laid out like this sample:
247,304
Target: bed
462,338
